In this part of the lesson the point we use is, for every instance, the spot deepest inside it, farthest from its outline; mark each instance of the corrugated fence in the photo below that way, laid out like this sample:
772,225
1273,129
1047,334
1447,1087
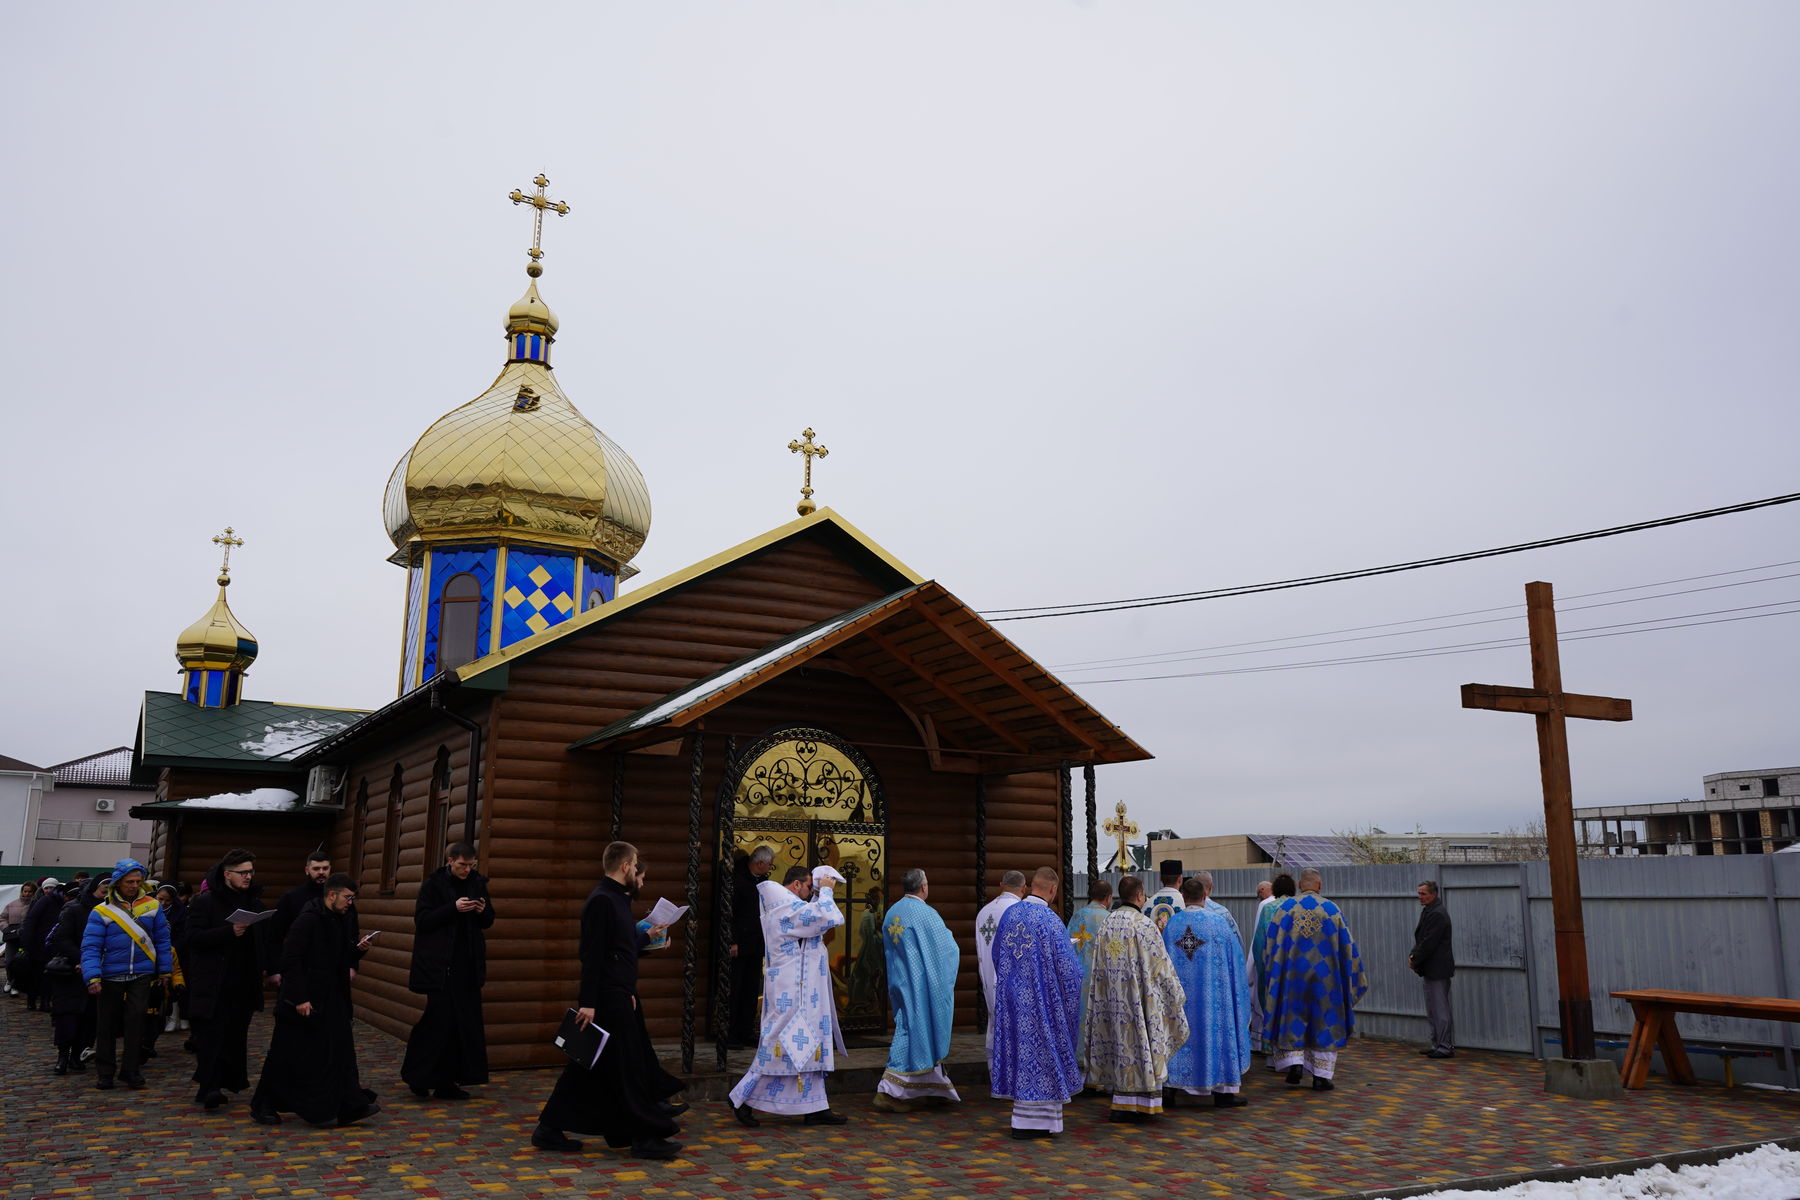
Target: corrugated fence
1725,923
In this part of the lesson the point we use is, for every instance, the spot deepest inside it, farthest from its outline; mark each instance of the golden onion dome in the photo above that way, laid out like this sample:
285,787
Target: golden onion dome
217,641
519,462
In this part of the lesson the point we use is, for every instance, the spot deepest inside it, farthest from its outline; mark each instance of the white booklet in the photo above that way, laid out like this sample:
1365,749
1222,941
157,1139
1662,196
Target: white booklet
666,914
244,916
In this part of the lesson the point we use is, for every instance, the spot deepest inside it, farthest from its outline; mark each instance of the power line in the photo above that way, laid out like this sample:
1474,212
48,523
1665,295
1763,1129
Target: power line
1032,613
1515,612
1467,647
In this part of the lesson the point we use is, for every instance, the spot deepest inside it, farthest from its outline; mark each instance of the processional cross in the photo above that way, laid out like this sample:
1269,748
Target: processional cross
811,452
1546,700
1122,828
539,202
227,541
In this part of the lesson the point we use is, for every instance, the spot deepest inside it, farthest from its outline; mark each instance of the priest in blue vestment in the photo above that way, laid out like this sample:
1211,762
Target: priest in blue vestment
1037,1012
1315,980
1204,949
1084,927
922,958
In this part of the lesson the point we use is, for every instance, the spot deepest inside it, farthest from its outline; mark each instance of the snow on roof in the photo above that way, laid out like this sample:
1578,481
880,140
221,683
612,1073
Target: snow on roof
259,800
286,739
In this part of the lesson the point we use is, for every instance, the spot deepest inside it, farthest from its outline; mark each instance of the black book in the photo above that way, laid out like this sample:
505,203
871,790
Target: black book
582,1044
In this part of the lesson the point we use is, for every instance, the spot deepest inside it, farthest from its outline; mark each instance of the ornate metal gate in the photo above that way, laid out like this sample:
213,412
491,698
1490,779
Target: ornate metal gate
814,798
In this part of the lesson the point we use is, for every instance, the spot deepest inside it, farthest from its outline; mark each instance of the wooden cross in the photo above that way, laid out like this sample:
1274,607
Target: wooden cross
226,540
539,202
1546,700
811,452
1122,828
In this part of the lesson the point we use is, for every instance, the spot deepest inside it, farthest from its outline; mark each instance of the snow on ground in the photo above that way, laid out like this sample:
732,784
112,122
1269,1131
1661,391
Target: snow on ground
261,800
1765,1173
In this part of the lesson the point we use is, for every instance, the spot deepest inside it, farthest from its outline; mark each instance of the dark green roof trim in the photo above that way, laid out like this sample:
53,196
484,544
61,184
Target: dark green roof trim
252,735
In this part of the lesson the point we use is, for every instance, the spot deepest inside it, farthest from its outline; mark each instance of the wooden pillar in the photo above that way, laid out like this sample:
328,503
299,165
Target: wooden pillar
618,797
1093,835
981,896
697,761
724,885
1066,804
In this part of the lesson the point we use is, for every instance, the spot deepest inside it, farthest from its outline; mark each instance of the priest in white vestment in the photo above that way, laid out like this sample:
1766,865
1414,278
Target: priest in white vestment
800,1035
987,922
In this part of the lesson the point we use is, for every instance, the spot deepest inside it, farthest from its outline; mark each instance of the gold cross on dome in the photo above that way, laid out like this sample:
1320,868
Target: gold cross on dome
1123,829
539,202
811,452
226,540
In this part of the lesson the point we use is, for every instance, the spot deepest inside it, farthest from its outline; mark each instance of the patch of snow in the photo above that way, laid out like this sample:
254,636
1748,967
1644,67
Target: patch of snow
284,739
260,800
1765,1173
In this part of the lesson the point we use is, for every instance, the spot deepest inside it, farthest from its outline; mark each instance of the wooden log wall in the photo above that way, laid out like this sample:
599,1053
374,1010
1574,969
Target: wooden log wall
359,846
180,842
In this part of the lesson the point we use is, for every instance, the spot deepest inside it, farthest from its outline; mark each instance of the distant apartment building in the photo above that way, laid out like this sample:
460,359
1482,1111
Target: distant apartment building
1739,812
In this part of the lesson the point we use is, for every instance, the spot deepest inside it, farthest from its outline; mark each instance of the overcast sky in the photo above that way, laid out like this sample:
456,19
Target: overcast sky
1088,300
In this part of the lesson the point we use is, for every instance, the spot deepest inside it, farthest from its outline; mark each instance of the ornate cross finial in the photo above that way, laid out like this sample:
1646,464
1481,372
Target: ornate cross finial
539,202
1123,829
227,541
811,452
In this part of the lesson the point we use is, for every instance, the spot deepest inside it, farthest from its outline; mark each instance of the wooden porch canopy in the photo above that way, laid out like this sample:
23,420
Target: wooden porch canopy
980,703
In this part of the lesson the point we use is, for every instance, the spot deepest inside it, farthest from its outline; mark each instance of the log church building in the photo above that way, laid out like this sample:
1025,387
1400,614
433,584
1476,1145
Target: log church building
803,690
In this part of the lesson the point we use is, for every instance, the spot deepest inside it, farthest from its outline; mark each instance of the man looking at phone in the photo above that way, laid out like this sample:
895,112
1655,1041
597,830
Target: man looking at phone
448,1047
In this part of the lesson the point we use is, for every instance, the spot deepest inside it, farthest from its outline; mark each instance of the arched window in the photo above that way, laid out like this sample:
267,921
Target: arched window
358,829
390,841
437,812
459,622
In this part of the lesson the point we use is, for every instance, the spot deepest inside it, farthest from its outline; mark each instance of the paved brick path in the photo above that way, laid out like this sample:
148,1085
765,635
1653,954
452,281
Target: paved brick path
1395,1119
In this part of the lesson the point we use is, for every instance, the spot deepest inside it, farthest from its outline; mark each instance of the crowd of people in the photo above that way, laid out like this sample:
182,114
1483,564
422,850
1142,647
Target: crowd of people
1155,1001
119,959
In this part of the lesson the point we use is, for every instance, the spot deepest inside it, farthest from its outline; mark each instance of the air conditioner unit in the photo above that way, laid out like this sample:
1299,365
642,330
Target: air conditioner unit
325,787
104,804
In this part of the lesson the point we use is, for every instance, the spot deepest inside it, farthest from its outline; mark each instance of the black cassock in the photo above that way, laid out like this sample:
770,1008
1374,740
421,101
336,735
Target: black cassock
310,1069
617,1098
449,964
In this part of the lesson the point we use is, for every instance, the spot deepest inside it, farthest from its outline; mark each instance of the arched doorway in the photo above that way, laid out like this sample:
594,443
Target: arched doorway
814,798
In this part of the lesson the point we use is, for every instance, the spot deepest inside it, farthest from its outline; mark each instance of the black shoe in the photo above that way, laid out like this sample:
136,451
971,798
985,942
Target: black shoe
1426,1050
655,1148
134,1082
1440,1054
1228,1100
1026,1135
1321,1085
1124,1116
745,1116
76,1066
420,1092
212,1100
62,1061
669,1109
546,1138
450,1092
104,1083
264,1117
1293,1075
825,1117
355,1115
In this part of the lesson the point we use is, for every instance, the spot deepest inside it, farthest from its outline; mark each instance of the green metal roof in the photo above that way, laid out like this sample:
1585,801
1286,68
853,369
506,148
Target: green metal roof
252,735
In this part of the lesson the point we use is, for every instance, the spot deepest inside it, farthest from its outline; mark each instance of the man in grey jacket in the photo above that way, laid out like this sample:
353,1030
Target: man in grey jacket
1434,962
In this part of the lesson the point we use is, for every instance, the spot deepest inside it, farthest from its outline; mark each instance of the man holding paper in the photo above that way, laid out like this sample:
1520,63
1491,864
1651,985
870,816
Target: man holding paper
800,1033
224,975
611,1097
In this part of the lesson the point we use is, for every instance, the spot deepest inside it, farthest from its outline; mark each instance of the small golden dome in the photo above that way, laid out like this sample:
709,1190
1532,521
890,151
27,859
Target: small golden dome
531,314
217,641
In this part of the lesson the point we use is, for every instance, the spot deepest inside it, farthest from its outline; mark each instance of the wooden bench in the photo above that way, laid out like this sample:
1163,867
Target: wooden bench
1654,1029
